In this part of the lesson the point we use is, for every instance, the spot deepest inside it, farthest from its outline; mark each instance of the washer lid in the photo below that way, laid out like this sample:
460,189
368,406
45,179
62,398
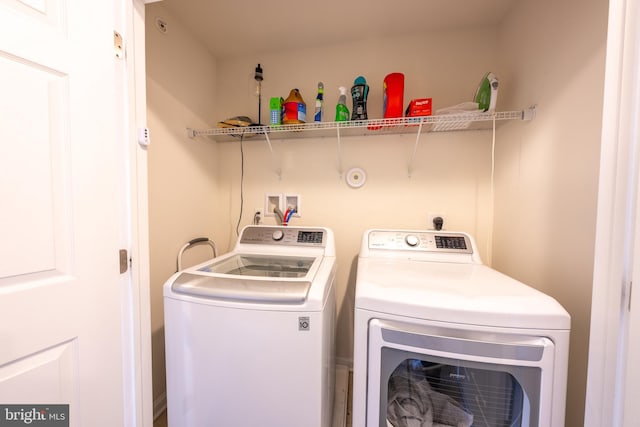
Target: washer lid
257,265
457,293
243,290
256,278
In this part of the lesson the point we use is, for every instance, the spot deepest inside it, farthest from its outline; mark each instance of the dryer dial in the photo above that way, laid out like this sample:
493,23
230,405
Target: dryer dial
412,240
277,235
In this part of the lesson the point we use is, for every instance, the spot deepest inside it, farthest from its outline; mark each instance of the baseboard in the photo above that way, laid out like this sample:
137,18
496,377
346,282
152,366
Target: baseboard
159,405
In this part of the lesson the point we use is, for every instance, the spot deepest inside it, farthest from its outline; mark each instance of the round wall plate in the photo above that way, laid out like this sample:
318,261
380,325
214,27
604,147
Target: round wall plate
356,177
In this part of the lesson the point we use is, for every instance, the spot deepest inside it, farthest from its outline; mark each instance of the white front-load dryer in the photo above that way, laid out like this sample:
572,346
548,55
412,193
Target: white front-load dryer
441,339
249,335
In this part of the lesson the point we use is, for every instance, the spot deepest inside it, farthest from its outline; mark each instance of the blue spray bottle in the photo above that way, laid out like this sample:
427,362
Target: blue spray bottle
317,117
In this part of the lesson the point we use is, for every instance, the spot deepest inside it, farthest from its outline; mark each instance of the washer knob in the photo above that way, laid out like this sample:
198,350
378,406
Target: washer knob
277,235
412,240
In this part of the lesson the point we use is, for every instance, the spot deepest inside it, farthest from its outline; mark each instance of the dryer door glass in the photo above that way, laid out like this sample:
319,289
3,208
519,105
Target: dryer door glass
431,391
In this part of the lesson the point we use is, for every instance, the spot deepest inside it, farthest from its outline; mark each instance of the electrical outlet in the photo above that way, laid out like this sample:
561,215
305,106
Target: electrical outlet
431,216
257,216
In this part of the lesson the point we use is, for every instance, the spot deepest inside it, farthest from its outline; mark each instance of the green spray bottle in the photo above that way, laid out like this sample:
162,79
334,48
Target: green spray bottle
342,112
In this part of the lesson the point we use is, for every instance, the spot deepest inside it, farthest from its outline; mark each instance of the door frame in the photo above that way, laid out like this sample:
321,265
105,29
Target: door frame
136,309
616,231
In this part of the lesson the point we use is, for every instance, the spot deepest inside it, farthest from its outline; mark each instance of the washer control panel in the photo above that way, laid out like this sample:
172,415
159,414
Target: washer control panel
288,236
423,241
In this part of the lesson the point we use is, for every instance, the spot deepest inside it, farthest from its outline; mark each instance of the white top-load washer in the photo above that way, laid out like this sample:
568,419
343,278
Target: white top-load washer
441,339
249,335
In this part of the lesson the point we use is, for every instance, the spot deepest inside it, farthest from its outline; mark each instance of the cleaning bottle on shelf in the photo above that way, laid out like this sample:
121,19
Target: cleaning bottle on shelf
392,95
359,93
275,110
317,117
342,112
295,109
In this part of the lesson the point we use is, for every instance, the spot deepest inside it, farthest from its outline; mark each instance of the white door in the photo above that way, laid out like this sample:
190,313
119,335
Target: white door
60,210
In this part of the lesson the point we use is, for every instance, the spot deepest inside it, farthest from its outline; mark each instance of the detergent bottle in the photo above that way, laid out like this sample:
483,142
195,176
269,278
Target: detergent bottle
317,117
342,112
295,109
392,95
359,93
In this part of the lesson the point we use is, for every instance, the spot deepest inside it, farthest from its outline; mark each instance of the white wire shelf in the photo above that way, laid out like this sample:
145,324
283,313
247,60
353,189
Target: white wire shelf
338,130
401,125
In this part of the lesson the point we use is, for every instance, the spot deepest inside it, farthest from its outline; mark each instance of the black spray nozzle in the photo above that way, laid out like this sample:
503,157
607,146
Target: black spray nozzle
258,74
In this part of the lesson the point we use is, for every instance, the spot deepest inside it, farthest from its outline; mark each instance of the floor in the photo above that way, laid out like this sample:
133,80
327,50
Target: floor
341,405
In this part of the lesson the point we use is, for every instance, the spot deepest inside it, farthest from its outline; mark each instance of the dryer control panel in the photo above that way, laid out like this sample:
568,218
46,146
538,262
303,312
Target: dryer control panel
421,241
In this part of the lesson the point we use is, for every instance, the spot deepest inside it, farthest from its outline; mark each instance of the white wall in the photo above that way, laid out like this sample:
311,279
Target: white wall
547,170
451,172
446,66
182,186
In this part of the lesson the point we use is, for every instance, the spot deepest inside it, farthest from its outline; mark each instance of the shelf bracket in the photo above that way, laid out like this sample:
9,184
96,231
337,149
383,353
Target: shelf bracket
530,113
340,169
415,149
276,165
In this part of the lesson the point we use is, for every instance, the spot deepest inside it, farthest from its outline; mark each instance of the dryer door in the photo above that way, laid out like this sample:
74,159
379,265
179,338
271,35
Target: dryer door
423,375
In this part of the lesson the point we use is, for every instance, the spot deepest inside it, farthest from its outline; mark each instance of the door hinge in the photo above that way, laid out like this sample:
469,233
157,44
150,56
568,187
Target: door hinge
124,261
118,45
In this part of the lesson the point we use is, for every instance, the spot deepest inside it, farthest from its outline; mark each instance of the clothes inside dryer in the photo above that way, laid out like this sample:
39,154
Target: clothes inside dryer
416,397
432,391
